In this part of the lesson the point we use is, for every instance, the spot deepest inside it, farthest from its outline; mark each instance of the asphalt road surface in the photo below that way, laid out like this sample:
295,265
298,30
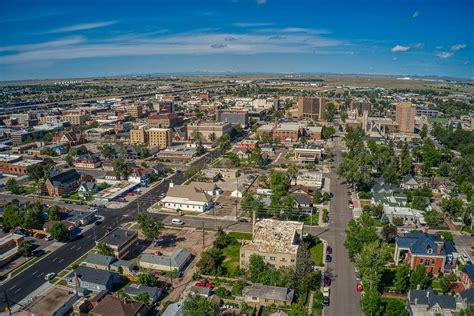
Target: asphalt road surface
32,278
344,299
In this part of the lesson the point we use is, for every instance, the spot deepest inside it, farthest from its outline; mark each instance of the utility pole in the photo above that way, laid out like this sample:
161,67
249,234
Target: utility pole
203,234
138,203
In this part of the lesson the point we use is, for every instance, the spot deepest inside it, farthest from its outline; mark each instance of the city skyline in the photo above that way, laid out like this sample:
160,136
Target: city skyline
57,40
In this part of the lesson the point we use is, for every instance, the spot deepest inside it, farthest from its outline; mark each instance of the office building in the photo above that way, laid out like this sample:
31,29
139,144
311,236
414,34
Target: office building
312,107
405,117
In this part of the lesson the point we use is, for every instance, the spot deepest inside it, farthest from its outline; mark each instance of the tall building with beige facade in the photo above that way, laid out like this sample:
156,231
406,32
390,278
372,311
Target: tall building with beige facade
312,107
405,117
277,242
75,119
152,137
135,110
205,129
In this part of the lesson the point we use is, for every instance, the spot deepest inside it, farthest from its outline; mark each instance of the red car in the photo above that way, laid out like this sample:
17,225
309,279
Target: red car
359,287
328,250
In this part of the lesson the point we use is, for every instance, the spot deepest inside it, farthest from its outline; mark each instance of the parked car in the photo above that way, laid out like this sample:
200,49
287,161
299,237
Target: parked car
328,258
49,276
359,287
177,221
326,301
327,281
328,250
243,220
48,238
205,283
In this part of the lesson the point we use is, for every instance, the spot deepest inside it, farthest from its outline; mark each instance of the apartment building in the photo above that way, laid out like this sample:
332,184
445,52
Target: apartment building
134,110
277,242
312,107
166,120
121,241
206,129
405,117
75,119
360,106
234,117
152,137
287,132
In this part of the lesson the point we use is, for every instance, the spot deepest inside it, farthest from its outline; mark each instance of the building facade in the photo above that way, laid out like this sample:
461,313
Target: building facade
405,117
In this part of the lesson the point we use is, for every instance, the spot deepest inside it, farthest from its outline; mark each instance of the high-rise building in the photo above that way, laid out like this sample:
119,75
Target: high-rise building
152,137
312,107
135,110
361,106
405,117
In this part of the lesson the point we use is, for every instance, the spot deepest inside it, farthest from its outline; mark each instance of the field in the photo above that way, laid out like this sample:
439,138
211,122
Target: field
240,235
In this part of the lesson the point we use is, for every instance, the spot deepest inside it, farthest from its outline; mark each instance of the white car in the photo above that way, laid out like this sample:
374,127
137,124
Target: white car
48,238
49,276
177,221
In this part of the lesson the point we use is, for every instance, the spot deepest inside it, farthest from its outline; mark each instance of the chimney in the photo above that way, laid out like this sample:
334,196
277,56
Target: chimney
439,248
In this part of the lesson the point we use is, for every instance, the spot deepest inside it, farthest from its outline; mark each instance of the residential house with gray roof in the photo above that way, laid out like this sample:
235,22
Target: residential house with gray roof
94,280
176,261
258,294
427,303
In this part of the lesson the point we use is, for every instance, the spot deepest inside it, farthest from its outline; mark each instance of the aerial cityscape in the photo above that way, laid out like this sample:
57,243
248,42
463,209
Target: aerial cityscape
237,157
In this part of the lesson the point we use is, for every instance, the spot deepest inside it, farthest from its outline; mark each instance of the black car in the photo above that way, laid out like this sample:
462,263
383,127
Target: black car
243,220
327,281
328,258
326,301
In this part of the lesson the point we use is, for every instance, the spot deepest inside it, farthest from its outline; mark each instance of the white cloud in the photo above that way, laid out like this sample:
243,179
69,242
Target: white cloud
418,46
444,54
400,49
261,1
252,24
458,47
191,43
81,27
415,14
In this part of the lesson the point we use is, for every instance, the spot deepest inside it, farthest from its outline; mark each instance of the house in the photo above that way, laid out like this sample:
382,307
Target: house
380,186
277,242
140,175
87,161
312,179
121,241
404,215
178,261
409,183
186,198
114,306
98,261
124,267
426,302
70,138
258,294
467,276
428,249
209,188
135,289
174,309
79,218
303,201
308,153
94,280
466,299
199,290
111,176
384,198
249,144
87,188
63,183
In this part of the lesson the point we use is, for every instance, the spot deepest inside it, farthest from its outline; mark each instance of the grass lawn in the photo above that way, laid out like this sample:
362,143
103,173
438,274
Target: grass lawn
307,220
231,258
29,189
240,236
317,254
468,229
75,197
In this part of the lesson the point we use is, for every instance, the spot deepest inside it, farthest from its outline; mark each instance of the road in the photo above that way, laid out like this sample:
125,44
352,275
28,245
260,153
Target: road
344,299
32,278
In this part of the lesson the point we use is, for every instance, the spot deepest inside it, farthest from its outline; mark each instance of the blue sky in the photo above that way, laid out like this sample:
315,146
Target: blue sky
61,39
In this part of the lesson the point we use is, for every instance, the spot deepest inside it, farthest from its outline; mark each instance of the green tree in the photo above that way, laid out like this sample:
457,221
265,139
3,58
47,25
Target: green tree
327,132
424,131
389,232
197,305
360,232
371,262
148,279
32,218
143,297
25,248
69,159
107,151
37,172
303,270
405,160
210,261
121,168
433,218
371,302
150,227
420,277
103,249
401,281
224,143
256,267
249,203
451,205
395,307
59,232
13,186
443,169
330,111
53,213
12,216
446,280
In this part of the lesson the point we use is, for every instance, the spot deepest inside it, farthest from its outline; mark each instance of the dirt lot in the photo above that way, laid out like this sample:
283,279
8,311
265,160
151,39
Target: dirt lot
189,239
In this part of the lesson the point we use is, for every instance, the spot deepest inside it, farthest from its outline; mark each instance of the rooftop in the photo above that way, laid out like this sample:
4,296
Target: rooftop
272,236
269,292
119,236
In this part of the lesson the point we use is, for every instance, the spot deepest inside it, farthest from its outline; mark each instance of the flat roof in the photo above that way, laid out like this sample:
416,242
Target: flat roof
50,302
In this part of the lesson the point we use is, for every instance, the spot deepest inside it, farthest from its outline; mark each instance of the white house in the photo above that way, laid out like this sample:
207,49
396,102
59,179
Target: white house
187,198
